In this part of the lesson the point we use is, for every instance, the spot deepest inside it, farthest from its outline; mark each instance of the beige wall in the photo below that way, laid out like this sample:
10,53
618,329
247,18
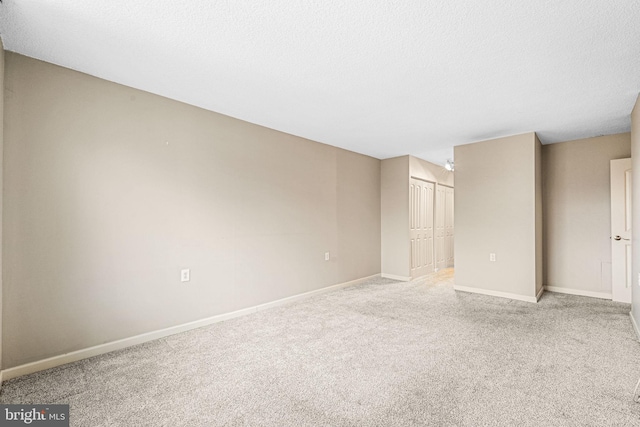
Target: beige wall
539,217
635,156
358,215
495,212
110,191
1,183
394,206
577,215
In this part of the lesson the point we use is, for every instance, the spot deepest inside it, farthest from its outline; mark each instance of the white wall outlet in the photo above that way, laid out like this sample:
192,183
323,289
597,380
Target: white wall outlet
492,257
326,256
185,275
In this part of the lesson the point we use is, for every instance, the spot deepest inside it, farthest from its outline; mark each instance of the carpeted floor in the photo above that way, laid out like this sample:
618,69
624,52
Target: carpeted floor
383,353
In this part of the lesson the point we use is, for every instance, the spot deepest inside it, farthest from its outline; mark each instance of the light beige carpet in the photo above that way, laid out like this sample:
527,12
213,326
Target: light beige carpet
382,353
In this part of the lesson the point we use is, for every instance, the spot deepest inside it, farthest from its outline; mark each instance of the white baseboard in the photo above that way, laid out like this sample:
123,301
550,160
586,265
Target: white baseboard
298,297
394,277
580,292
635,326
85,353
496,293
539,294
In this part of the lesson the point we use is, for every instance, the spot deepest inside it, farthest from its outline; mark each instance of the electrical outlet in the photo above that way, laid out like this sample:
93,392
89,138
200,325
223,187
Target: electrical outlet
492,257
327,256
185,275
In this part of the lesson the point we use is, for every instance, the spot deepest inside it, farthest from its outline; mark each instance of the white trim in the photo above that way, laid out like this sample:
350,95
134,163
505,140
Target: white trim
495,293
580,292
85,353
394,277
423,180
445,185
635,325
539,294
298,297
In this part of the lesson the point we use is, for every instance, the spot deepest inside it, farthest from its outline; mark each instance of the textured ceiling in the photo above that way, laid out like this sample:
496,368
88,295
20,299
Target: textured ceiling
381,78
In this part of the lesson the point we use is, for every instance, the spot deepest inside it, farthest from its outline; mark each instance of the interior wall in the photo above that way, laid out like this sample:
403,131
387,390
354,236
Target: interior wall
1,181
394,207
110,191
635,162
577,214
539,219
495,212
358,215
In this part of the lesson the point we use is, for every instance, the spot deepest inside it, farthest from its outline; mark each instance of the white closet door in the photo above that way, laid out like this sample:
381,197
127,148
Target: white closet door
421,221
441,193
448,226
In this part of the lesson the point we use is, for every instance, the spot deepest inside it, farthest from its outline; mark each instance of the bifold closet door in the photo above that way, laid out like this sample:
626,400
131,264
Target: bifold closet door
448,226
444,227
421,220
440,232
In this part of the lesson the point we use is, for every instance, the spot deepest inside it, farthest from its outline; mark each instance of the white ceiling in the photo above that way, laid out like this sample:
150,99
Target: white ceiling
384,78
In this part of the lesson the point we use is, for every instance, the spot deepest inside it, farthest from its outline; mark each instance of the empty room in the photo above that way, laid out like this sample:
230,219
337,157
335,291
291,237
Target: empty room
235,213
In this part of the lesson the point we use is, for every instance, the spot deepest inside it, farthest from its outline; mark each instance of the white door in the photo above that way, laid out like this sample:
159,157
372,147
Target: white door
621,279
421,227
441,197
448,226
444,227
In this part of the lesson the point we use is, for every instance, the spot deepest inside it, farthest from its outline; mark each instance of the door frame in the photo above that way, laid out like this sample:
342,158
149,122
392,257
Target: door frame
621,234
